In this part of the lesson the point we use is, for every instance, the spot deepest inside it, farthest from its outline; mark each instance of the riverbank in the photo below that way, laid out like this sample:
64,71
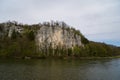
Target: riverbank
68,57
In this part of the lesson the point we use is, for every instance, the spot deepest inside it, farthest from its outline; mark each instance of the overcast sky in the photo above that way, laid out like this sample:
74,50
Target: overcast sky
98,20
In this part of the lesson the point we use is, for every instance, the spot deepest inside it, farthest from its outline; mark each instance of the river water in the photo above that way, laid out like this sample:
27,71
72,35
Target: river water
47,69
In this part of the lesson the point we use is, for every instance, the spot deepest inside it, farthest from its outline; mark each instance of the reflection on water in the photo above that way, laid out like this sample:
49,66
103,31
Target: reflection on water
47,69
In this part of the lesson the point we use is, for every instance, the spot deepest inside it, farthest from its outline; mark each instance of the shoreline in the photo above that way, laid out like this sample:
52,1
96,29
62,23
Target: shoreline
64,58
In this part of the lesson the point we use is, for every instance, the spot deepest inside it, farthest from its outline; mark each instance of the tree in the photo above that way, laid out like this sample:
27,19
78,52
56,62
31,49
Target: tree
14,34
84,40
31,35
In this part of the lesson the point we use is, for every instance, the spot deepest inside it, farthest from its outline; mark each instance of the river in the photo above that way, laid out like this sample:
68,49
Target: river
58,69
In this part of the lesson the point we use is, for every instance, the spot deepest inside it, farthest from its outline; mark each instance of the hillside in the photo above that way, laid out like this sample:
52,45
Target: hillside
49,39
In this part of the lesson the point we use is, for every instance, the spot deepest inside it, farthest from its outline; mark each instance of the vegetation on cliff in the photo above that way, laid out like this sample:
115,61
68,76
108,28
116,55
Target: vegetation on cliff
23,43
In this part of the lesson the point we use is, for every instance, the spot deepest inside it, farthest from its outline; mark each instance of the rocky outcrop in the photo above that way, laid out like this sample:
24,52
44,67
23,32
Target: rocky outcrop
57,37
6,29
48,35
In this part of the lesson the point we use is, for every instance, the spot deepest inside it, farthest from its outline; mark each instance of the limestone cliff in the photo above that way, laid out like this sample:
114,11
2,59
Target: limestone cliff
48,36
54,34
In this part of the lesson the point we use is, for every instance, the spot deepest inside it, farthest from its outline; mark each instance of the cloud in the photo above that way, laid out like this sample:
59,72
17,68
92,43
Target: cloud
97,20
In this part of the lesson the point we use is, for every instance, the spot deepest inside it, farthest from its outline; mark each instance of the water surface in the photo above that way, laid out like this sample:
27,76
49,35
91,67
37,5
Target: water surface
47,69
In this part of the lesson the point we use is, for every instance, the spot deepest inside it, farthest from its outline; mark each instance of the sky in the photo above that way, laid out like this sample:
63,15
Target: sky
98,20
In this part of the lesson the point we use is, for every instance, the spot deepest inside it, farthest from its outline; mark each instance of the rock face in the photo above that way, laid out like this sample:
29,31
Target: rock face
57,37
48,35
6,29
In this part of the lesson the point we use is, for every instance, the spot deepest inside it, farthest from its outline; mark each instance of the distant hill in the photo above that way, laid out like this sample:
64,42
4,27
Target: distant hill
49,39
